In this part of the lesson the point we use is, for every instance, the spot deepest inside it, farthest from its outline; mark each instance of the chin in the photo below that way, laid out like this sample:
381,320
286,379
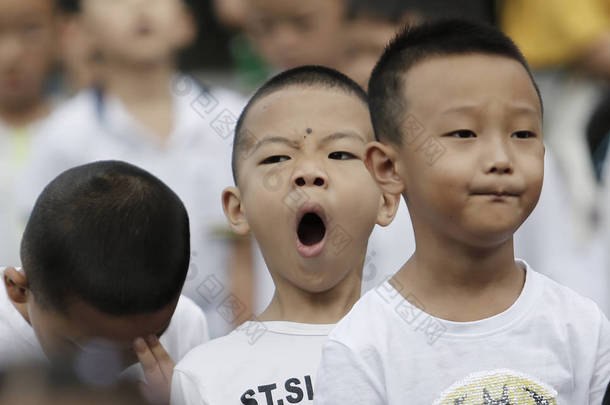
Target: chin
490,238
317,284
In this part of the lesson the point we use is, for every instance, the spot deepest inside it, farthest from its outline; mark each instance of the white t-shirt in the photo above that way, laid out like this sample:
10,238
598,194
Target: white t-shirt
258,363
195,162
18,343
550,345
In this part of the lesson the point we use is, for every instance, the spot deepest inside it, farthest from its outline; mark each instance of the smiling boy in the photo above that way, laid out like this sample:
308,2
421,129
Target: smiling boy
459,120
303,191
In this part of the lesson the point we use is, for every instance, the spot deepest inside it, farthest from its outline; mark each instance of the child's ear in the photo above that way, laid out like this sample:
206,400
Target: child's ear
388,206
380,160
16,284
234,211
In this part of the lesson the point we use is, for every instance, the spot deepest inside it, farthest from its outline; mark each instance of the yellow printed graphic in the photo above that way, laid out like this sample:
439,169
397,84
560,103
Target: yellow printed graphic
498,387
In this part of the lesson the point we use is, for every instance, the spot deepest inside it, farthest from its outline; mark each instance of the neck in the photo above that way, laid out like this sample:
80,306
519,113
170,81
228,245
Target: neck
20,117
458,281
463,266
135,84
291,303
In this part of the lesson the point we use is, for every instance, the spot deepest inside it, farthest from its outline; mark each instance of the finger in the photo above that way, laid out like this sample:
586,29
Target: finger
152,372
164,360
151,396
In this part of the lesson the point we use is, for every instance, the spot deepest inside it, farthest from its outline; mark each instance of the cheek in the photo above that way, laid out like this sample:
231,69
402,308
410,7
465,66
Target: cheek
265,201
437,181
534,178
45,330
165,18
359,198
111,29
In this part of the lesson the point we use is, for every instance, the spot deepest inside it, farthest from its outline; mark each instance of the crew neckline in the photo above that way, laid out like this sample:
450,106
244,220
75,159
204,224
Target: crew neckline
493,324
291,328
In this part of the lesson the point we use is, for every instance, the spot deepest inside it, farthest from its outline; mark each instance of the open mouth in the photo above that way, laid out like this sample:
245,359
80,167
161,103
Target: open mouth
311,229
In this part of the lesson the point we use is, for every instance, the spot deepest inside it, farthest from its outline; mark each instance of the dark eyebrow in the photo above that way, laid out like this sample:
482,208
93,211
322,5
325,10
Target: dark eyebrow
276,139
518,108
461,109
342,135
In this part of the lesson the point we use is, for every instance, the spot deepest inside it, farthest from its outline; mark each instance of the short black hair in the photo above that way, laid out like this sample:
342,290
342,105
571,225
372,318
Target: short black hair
303,76
110,234
412,45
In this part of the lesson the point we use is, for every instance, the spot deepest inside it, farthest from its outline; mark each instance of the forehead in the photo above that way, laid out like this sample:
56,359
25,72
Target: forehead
281,8
85,321
365,32
289,110
23,8
438,83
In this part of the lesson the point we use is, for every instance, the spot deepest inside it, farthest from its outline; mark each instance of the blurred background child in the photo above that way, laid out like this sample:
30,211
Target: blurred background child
144,111
28,43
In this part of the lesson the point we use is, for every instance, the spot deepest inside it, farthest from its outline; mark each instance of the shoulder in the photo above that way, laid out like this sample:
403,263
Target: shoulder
561,298
567,307
207,102
79,109
187,312
188,329
70,121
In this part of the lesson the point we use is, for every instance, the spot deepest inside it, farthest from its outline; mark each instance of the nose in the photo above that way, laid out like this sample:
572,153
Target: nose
498,159
310,174
500,167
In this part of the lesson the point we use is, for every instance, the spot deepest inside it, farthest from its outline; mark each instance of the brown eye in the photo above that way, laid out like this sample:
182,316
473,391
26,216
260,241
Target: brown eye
341,156
523,134
275,159
462,133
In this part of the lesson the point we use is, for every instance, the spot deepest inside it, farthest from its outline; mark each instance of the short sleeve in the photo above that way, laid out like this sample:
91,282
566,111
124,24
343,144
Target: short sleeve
344,377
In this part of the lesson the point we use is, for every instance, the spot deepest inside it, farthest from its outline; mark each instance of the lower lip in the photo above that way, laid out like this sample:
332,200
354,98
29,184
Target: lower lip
497,197
309,251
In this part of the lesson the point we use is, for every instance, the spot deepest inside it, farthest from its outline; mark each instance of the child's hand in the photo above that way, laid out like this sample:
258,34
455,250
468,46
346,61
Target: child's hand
158,369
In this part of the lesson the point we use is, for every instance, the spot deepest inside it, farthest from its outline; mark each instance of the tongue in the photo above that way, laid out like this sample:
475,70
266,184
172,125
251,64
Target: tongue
311,229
